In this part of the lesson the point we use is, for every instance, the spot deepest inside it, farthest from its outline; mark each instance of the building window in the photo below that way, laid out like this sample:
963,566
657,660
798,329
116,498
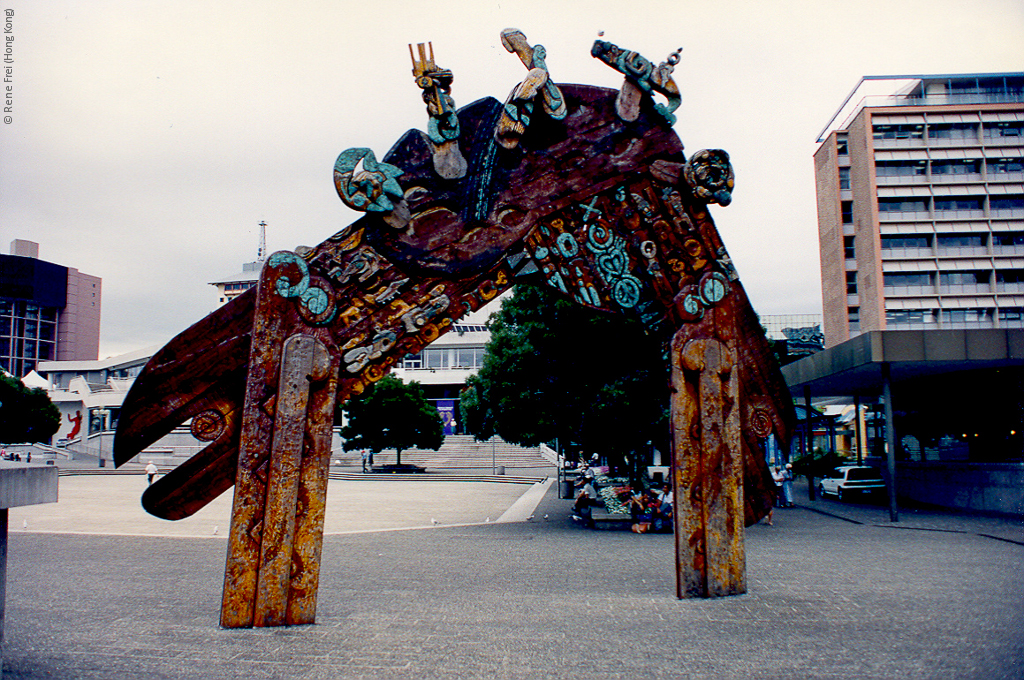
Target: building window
413,361
957,204
1004,166
900,168
956,167
999,130
469,357
842,147
851,283
1008,239
898,131
28,335
849,251
964,316
904,242
887,205
853,317
846,207
1011,315
1006,204
1013,277
844,178
962,278
436,359
961,241
905,279
953,131
901,317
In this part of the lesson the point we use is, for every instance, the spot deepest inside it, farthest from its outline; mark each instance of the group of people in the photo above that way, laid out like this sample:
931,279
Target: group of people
15,456
650,509
783,478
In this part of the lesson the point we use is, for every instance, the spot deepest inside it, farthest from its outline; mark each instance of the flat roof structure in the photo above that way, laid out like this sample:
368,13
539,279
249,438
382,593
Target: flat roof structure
854,367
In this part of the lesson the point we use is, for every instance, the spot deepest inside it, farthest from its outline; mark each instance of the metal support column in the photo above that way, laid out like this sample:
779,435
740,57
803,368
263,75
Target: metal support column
856,429
890,442
808,449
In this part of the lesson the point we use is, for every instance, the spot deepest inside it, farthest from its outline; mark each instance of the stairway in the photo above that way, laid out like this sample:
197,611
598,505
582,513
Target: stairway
461,452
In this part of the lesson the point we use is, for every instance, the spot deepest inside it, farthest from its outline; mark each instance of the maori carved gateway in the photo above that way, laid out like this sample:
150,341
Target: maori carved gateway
584,187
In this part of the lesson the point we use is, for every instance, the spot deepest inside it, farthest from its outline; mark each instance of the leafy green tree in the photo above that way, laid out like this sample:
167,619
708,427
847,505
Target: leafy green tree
26,414
391,414
553,369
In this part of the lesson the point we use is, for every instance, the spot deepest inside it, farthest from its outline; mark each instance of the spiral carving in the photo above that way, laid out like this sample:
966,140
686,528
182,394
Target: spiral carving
208,425
761,422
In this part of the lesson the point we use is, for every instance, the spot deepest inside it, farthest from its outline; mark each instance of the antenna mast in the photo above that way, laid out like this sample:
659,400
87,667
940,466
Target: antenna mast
261,254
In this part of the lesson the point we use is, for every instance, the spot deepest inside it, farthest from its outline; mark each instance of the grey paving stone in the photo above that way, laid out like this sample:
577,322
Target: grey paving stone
827,598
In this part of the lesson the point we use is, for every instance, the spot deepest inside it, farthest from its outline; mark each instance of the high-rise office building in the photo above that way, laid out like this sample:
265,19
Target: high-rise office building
920,189
48,312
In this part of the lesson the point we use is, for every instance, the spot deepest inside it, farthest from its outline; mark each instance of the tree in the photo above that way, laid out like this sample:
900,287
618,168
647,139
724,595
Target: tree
26,414
553,369
391,414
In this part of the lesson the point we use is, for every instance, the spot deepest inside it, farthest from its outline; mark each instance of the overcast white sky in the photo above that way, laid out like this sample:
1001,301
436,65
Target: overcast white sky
149,138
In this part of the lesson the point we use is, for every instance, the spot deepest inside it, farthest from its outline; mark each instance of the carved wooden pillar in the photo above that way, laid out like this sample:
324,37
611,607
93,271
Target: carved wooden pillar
708,466
273,562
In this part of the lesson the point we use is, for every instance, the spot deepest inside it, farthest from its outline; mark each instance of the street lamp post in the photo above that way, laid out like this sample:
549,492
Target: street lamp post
102,413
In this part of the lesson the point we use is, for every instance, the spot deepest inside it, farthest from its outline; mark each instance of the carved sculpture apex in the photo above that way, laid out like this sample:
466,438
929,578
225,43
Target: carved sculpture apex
443,125
642,78
364,184
515,117
710,175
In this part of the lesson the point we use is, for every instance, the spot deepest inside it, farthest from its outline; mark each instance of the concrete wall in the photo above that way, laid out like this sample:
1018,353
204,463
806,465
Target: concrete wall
23,484
830,243
984,487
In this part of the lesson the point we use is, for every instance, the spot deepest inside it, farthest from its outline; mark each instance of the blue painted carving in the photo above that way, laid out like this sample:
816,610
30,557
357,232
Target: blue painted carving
374,188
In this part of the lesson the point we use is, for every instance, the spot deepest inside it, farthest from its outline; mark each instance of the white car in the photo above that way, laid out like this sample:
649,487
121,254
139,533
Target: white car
849,480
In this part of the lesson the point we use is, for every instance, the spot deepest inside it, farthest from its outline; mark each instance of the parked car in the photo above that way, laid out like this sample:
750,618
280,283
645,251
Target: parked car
849,480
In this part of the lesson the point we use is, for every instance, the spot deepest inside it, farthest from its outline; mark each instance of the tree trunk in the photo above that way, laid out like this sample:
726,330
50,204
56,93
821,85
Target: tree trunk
398,456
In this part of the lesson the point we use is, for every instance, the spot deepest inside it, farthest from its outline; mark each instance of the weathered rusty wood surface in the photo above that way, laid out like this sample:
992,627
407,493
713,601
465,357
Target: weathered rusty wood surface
597,201
708,463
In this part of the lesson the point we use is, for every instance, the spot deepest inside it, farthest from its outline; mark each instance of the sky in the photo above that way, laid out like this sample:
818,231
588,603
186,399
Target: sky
146,140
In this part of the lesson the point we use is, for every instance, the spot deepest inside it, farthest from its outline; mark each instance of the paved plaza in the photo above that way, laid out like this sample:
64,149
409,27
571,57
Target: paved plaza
834,591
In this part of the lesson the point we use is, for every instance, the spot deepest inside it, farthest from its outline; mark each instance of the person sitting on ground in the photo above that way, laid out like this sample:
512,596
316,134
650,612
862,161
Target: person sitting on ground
644,508
663,517
585,500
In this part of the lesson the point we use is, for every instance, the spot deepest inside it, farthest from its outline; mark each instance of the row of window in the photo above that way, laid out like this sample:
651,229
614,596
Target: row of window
947,244
949,204
993,130
957,278
445,358
1007,316
27,310
992,167
1007,239
238,287
28,335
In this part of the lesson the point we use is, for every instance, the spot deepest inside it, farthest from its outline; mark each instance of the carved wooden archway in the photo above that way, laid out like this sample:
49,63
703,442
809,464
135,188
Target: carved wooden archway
586,187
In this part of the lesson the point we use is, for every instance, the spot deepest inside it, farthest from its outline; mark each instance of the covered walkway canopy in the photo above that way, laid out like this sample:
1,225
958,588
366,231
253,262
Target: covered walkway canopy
957,365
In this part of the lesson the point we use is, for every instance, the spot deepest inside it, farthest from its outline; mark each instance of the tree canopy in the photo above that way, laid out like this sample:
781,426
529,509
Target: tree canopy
391,414
553,369
26,414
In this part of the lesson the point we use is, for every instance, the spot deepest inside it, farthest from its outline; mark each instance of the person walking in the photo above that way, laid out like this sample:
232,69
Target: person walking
151,471
787,486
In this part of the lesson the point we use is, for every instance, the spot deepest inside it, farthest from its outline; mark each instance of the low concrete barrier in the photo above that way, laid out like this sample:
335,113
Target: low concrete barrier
980,487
